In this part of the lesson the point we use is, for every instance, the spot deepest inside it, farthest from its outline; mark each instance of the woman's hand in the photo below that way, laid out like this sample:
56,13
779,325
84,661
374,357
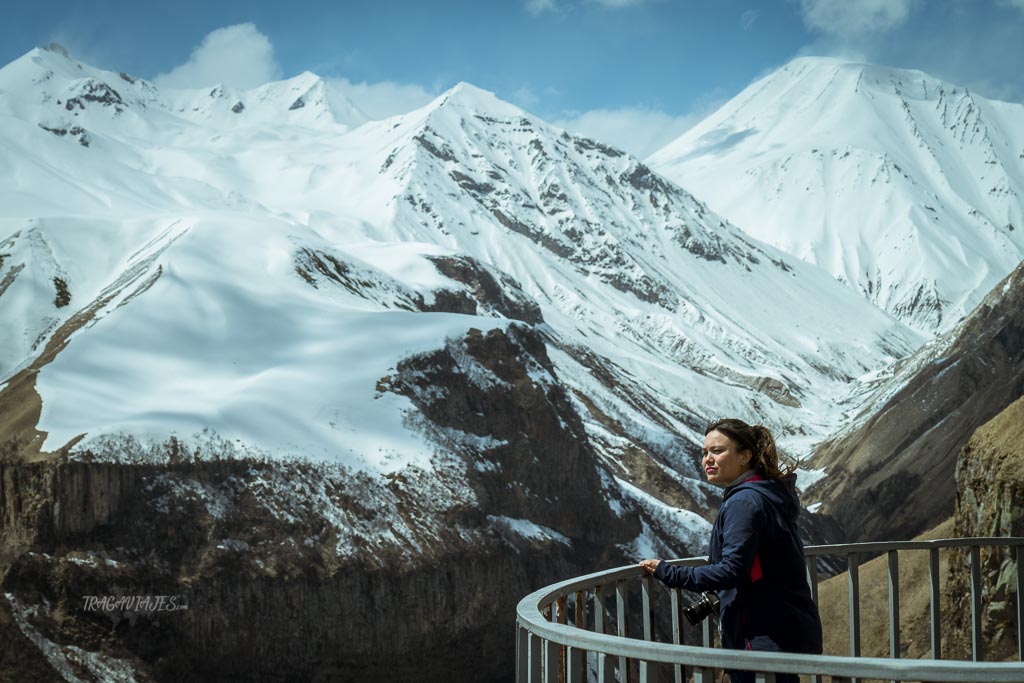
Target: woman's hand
650,565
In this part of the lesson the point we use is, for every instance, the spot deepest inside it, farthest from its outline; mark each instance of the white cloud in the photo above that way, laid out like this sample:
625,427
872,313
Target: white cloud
748,18
238,56
562,7
847,51
525,97
536,7
1016,4
854,17
615,4
639,131
384,99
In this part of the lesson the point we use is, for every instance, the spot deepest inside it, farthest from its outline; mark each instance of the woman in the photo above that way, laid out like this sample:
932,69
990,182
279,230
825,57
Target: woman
756,560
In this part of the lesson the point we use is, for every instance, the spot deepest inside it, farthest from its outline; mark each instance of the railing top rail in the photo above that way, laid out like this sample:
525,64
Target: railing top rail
885,546
952,671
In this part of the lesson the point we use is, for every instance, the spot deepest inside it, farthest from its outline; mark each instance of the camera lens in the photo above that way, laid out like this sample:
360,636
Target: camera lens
703,607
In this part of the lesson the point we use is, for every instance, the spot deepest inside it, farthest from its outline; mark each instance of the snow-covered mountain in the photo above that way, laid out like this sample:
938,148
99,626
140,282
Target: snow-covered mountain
904,186
194,246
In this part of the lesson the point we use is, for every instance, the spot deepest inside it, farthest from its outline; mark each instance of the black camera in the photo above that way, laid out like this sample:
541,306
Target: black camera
705,605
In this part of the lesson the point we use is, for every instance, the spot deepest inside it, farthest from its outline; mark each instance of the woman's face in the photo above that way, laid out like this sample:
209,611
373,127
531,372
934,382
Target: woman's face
722,462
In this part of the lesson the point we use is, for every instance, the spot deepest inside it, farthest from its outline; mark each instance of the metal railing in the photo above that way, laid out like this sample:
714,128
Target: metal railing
569,632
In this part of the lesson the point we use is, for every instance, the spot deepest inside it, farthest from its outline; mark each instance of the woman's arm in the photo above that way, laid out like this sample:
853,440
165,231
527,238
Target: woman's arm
741,526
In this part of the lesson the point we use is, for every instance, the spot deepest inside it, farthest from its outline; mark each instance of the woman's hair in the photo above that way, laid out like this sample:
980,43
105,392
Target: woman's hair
764,457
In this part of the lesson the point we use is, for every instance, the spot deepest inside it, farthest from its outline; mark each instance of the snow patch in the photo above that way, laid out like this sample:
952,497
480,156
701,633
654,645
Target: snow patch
67,659
528,529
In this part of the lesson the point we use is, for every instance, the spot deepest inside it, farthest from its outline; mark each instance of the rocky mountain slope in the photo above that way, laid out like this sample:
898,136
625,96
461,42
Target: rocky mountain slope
990,487
297,569
905,187
900,453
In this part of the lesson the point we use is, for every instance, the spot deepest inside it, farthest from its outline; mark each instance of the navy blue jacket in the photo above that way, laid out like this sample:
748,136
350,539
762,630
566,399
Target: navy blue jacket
757,566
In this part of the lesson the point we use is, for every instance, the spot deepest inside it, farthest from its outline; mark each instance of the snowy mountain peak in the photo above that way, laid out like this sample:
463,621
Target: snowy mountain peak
465,99
892,180
48,86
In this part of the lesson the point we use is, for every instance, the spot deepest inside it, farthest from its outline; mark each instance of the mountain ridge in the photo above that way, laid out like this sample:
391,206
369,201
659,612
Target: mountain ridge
895,182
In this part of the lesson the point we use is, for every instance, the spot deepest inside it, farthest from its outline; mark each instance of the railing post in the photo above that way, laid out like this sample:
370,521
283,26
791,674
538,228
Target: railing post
580,621
620,618
977,637
1019,559
604,668
853,574
935,613
704,674
577,666
677,631
563,618
522,654
894,604
535,667
645,590
552,663
764,677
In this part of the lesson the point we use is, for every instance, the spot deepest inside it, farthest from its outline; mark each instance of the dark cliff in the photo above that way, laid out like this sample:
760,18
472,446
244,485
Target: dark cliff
294,571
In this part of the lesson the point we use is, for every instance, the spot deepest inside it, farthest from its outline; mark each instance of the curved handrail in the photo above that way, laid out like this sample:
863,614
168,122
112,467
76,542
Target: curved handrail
885,546
532,619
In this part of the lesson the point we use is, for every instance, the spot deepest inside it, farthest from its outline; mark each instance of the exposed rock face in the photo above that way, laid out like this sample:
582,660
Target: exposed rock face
292,571
499,294
485,293
990,488
903,454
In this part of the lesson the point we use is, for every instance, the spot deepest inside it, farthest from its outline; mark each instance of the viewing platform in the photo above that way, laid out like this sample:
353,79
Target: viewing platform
605,625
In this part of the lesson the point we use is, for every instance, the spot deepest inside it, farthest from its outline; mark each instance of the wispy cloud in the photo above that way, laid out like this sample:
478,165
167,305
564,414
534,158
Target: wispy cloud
243,57
748,18
525,97
854,17
563,7
967,43
385,98
536,7
617,4
640,131
239,56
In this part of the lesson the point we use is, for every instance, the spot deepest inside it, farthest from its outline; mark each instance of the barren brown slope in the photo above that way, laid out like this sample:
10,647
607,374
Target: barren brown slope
893,476
833,603
20,403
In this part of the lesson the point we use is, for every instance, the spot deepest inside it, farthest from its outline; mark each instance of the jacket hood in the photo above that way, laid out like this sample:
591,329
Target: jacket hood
780,492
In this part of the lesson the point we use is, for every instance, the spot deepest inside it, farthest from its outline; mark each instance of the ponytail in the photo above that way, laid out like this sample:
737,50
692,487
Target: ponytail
758,439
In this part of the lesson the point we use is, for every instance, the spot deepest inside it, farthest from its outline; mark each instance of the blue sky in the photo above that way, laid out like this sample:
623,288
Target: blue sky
635,73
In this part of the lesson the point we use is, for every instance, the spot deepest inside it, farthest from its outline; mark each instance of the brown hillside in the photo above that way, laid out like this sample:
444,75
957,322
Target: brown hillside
874,603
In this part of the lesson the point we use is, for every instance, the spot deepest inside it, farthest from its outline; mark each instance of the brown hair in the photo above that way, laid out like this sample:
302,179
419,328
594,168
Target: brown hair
758,439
